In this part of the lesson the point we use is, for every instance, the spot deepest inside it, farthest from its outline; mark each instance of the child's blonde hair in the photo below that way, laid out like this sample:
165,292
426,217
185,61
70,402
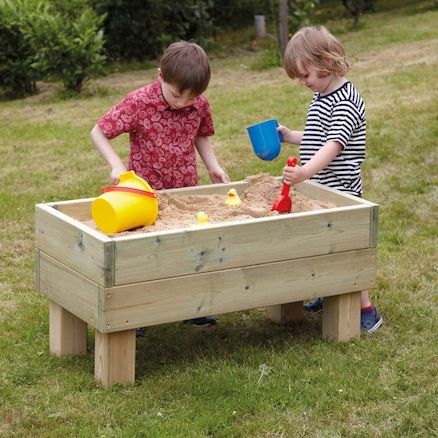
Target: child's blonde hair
315,46
185,65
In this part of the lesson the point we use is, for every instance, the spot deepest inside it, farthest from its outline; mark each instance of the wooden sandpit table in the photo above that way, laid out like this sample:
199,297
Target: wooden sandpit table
116,284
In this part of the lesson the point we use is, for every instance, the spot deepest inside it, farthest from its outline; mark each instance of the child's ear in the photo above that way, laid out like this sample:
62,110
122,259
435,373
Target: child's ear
159,74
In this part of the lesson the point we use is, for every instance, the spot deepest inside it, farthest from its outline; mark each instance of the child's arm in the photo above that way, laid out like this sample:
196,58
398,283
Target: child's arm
325,155
205,150
289,136
105,149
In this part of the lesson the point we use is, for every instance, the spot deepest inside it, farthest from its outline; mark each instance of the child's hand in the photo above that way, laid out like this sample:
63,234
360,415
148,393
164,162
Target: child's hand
294,175
286,133
218,175
115,174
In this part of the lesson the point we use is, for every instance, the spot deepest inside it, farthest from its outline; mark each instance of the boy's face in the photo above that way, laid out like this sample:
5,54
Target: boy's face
174,97
312,78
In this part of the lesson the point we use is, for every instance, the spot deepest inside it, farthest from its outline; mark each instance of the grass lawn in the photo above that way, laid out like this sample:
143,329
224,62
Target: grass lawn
245,377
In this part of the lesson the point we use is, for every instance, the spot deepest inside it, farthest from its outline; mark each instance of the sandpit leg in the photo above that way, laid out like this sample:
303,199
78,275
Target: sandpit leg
114,357
67,333
341,317
288,312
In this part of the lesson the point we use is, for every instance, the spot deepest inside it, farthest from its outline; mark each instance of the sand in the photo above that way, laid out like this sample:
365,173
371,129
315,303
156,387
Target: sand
261,192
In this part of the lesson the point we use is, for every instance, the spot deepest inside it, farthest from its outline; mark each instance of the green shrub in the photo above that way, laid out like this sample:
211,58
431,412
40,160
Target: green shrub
17,74
48,39
357,7
68,42
141,29
301,13
269,58
235,13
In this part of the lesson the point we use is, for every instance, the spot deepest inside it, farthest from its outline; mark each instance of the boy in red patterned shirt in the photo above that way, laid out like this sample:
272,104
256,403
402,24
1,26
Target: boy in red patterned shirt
167,121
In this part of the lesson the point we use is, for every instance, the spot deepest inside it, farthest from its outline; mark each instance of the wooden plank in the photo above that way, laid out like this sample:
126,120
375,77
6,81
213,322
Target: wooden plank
311,189
373,225
341,317
79,209
114,360
37,269
317,191
175,299
207,189
145,257
283,313
69,289
74,244
68,334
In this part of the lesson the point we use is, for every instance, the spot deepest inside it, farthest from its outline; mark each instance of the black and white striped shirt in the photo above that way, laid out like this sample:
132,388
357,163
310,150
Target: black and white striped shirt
338,116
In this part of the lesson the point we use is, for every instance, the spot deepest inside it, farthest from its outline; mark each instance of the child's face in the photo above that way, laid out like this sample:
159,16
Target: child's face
311,78
175,98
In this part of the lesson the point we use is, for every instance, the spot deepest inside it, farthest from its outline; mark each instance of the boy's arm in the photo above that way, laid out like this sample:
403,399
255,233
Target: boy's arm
205,150
289,136
105,149
322,158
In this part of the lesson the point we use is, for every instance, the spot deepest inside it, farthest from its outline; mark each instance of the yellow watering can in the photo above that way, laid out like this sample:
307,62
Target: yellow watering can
131,203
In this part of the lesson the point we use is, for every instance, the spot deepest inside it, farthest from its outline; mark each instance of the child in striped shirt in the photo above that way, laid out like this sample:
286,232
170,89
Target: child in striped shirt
332,145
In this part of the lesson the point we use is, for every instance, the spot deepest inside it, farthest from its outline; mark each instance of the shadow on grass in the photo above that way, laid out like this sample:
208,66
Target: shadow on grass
236,338
233,338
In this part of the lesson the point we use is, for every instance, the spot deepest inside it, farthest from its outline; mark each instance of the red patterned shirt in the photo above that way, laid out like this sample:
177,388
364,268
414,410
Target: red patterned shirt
162,139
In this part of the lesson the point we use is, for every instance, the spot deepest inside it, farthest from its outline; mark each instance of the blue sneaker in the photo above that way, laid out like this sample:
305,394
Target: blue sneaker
314,306
205,321
140,332
370,320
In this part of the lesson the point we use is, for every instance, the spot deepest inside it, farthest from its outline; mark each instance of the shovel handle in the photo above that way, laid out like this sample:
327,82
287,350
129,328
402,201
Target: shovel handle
291,162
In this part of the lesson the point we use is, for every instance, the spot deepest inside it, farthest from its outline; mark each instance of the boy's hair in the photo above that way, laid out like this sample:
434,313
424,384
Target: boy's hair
315,46
185,65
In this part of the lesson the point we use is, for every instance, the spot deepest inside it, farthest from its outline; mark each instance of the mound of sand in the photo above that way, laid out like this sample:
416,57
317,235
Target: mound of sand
261,192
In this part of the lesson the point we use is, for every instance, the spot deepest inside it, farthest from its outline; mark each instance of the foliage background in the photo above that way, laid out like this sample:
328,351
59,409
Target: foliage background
71,41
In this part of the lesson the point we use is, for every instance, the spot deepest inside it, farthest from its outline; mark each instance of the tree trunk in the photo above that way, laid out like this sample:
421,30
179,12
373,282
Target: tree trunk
283,27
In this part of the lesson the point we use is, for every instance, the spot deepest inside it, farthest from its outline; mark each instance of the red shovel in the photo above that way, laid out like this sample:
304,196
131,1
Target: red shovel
283,204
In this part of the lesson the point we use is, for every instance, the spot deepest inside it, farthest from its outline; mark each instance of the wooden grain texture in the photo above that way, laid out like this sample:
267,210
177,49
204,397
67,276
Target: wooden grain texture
67,333
175,299
114,359
374,225
169,254
116,284
208,189
323,193
341,317
69,289
284,313
37,269
79,209
74,244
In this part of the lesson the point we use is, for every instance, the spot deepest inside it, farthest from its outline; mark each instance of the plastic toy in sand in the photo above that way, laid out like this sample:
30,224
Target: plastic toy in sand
233,199
202,218
130,204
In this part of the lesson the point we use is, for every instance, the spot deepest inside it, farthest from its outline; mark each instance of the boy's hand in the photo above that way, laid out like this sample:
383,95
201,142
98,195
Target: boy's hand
115,174
218,175
294,175
205,150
